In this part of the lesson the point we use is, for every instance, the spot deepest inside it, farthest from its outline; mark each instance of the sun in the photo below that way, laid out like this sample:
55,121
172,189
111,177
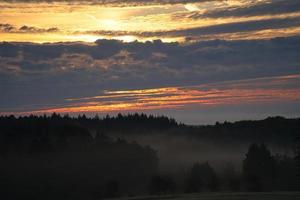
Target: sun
191,7
110,24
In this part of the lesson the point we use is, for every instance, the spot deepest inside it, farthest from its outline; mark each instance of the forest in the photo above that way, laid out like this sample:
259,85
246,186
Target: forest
64,157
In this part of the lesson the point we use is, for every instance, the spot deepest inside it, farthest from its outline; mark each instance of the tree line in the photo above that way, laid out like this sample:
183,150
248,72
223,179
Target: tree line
272,129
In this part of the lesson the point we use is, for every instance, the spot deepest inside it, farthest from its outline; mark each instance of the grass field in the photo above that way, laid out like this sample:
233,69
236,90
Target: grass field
225,196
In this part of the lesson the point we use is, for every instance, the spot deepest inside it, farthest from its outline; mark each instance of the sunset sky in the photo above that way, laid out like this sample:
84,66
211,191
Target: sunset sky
199,61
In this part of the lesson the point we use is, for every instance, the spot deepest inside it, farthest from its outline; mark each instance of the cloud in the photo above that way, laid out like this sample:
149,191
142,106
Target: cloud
9,28
285,26
235,27
35,76
6,28
111,2
31,29
261,90
254,25
227,62
226,9
169,23
273,7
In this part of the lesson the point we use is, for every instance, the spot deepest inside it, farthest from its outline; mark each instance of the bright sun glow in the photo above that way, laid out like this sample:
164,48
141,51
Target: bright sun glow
191,7
126,38
109,24
86,38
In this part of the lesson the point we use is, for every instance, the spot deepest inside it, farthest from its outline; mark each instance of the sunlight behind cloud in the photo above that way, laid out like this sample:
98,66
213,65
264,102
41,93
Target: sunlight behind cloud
191,7
144,22
109,24
126,38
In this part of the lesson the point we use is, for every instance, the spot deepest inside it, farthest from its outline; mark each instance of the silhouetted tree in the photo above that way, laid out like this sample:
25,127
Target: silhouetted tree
259,167
202,176
286,178
112,189
195,183
297,163
161,185
232,179
297,158
57,156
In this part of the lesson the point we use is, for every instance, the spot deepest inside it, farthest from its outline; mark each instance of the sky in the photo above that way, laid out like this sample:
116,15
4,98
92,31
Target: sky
199,61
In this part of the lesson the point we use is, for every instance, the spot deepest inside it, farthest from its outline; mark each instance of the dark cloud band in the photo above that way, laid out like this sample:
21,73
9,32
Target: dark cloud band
53,72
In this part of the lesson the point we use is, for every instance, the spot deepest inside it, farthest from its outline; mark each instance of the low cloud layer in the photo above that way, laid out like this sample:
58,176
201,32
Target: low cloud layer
261,90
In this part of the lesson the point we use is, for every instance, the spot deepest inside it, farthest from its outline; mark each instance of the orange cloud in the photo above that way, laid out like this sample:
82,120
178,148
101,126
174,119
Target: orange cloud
250,91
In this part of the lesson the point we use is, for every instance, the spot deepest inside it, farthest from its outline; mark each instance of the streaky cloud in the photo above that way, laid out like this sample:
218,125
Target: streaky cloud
245,26
261,90
273,7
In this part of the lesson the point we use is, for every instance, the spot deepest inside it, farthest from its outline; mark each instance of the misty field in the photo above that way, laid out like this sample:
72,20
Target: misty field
225,196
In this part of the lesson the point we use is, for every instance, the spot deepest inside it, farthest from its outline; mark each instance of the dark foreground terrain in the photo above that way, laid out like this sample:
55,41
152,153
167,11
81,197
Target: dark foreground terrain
225,196
62,157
